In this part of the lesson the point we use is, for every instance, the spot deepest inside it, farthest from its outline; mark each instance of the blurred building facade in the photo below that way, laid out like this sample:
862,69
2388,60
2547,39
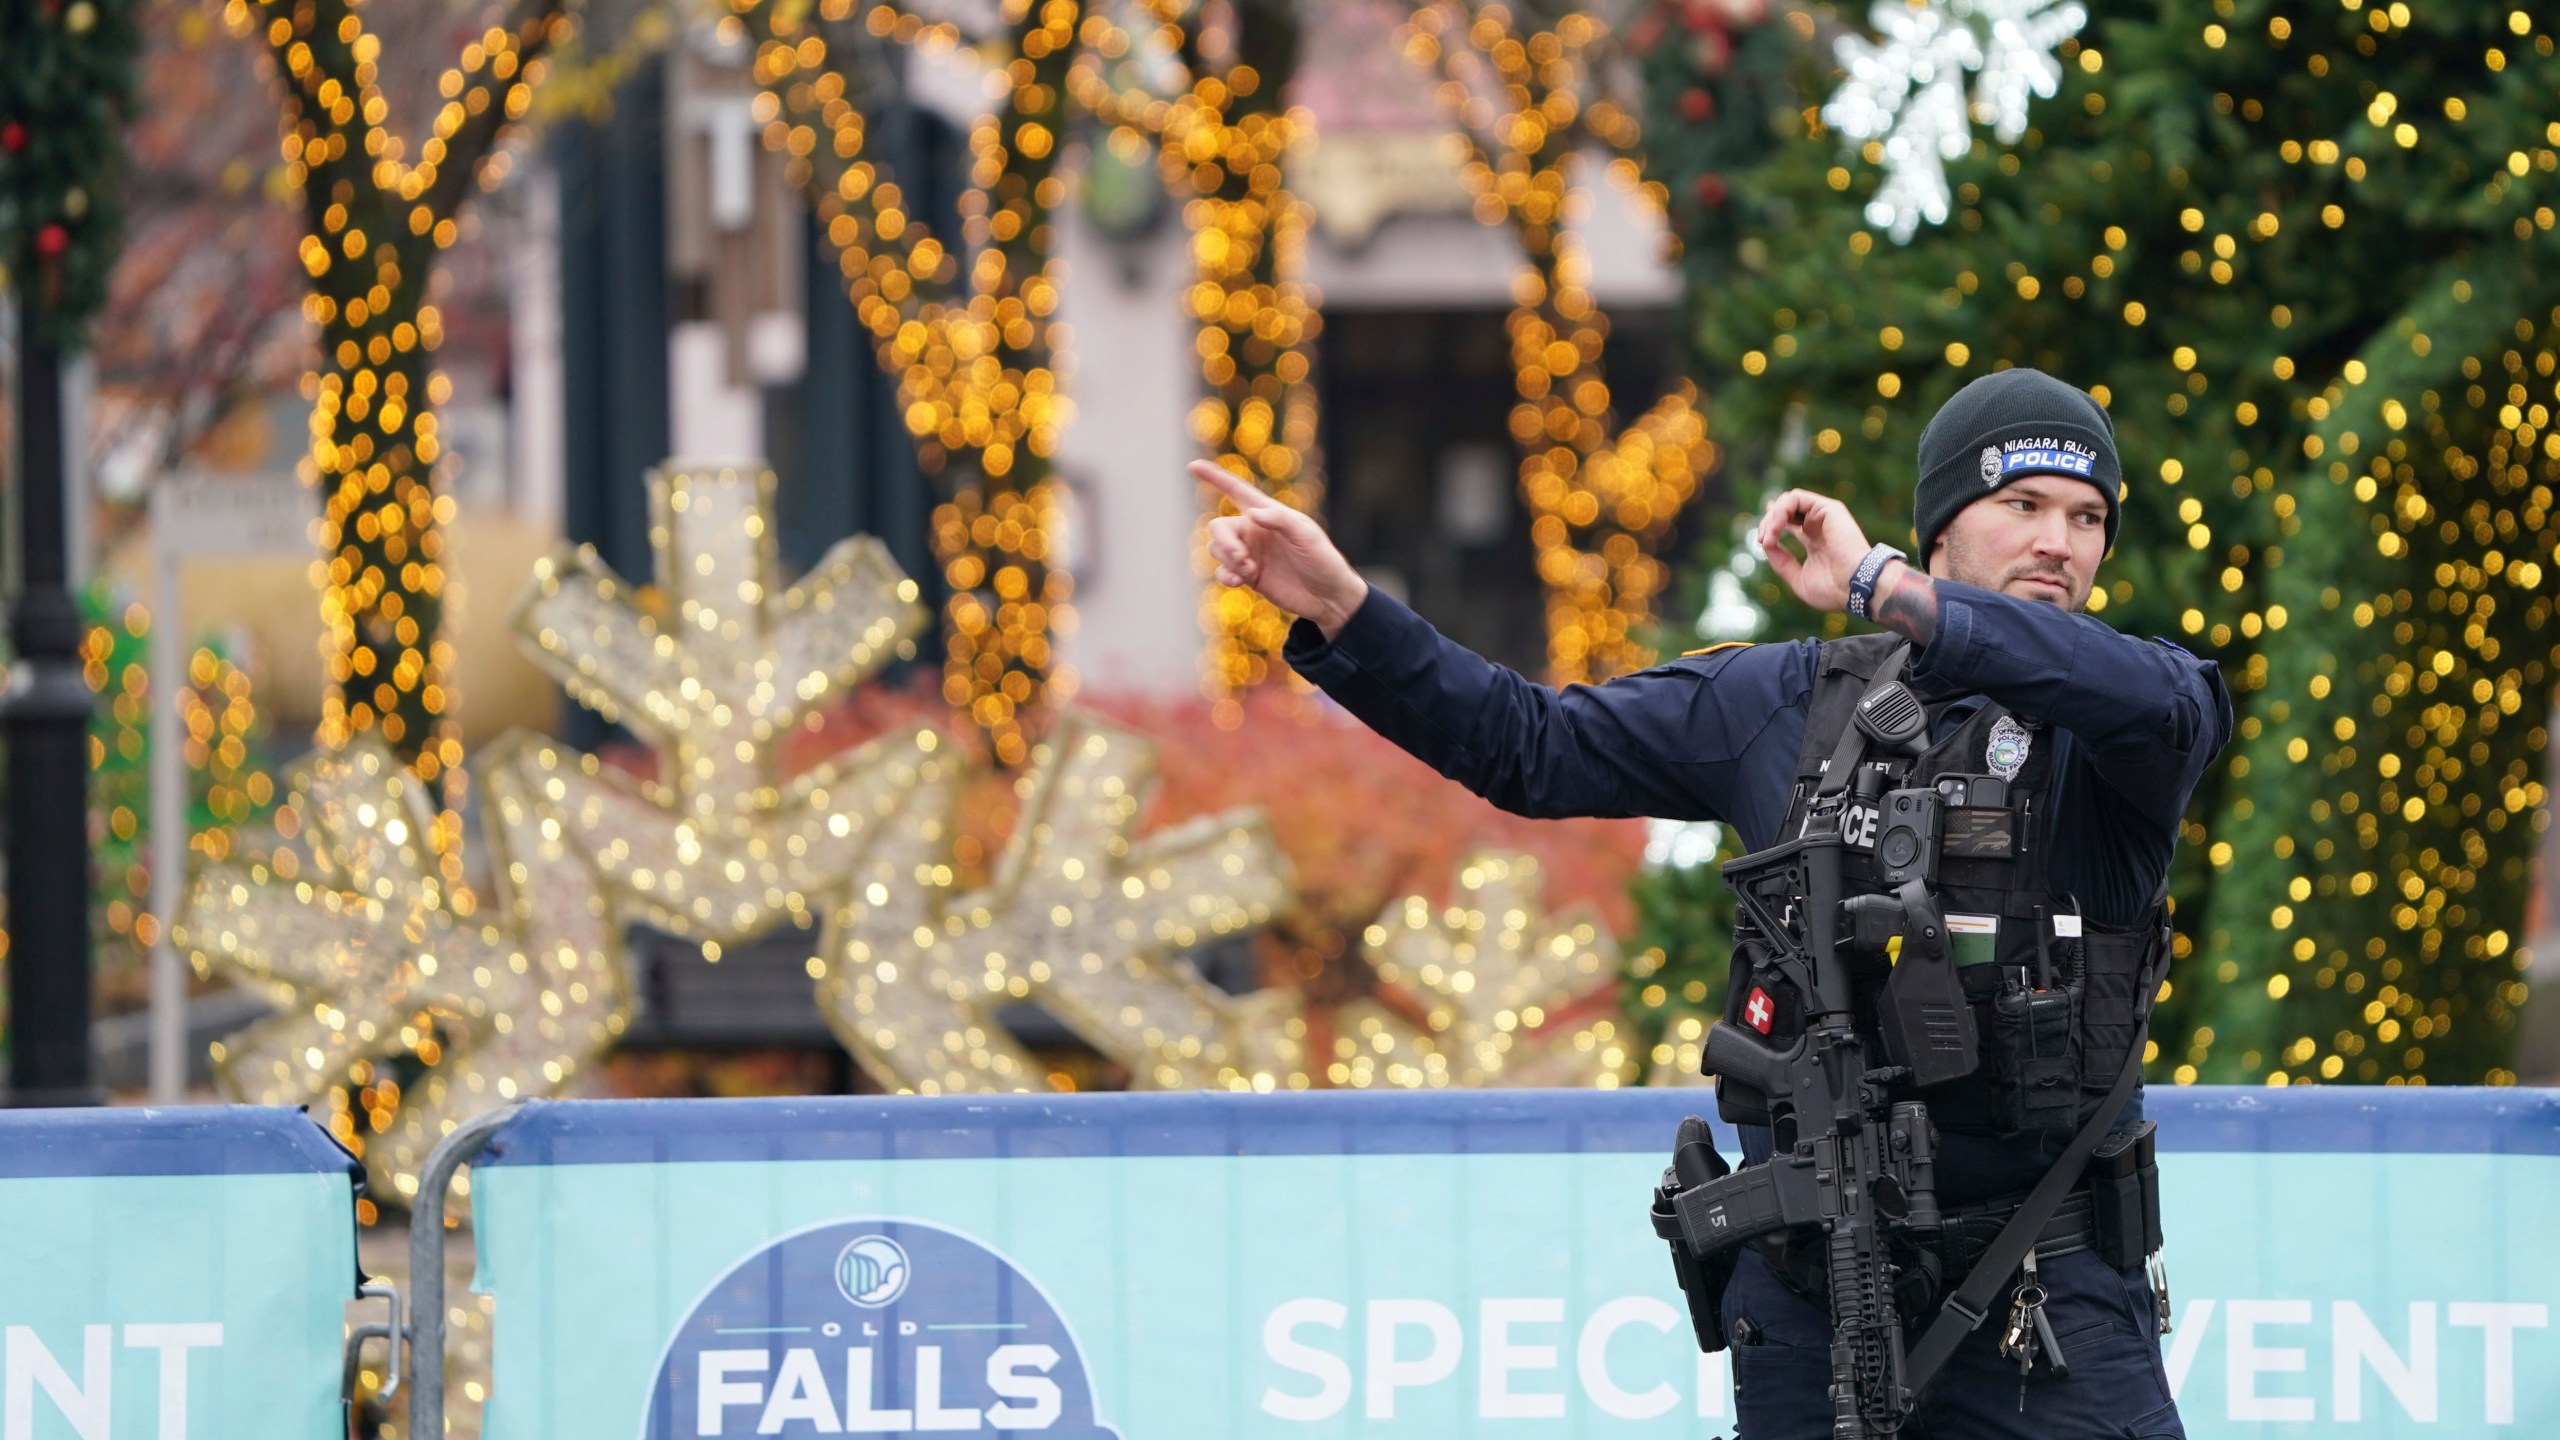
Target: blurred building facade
672,296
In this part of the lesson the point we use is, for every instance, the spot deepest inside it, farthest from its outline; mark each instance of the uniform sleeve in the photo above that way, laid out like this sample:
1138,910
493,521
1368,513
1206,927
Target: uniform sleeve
1677,742
2152,715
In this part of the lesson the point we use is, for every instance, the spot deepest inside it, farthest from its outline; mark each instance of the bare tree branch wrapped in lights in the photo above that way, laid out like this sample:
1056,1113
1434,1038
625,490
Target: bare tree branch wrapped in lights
1226,143
375,222
972,352
1222,140
1598,500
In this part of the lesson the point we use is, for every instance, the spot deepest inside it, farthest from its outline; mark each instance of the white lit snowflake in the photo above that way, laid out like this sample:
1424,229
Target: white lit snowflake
1906,89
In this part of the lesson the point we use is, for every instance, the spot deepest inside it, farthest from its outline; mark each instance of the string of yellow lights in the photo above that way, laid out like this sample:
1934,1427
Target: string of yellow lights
974,353
1598,501
1223,145
376,223
219,719
1248,237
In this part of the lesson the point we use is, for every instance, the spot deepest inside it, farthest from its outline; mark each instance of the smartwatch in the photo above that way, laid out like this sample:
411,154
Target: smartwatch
1862,581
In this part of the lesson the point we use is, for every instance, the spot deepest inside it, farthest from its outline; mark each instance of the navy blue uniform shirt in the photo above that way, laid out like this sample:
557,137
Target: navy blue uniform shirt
1716,736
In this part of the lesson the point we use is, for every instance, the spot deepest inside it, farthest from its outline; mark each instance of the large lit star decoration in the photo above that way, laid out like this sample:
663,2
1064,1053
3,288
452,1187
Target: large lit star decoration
370,955
1904,100
1510,996
1079,917
720,847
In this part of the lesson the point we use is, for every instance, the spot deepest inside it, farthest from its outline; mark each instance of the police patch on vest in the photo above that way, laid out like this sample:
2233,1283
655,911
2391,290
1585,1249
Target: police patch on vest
2007,753
873,1327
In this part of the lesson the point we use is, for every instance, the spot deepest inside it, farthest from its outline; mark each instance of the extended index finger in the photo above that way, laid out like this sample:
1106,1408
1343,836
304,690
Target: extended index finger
1235,487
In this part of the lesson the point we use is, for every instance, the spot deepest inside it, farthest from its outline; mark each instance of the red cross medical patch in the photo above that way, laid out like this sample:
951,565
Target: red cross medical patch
1760,1011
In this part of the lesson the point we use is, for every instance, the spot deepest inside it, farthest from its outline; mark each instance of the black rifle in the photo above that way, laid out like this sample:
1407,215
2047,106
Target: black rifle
1857,1169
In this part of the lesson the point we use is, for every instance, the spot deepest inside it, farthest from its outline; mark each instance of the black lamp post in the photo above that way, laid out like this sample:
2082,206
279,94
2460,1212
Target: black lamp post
66,90
45,717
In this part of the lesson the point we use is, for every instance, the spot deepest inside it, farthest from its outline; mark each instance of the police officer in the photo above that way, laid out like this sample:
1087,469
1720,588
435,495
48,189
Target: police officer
2015,507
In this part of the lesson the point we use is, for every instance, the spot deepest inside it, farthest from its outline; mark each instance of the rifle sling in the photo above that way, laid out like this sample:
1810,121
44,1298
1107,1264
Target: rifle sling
1964,1310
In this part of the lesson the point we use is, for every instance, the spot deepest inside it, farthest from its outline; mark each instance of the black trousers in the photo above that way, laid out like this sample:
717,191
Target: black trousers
2117,1389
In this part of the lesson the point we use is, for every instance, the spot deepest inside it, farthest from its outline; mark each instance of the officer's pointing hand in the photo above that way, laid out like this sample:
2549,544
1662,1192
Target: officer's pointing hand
1832,542
1281,553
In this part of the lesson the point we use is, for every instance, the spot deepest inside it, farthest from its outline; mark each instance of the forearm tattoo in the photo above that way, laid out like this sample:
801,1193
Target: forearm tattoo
1909,605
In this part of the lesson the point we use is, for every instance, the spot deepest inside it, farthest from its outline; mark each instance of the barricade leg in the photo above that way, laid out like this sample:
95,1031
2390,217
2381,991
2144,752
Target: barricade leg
426,1269
393,1331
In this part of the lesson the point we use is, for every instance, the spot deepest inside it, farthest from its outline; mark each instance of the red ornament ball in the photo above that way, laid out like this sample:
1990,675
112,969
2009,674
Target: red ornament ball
13,137
52,240
1696,105
1711,191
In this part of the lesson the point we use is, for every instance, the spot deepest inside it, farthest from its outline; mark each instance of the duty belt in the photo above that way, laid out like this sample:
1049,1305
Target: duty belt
1970,1229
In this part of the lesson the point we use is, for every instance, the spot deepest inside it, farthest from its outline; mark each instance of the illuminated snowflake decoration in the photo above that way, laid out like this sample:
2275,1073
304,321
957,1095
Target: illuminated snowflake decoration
1510,995
370,956
720,846
1906,90
1080,915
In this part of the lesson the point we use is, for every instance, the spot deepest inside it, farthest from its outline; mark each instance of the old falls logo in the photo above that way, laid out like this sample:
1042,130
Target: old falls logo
873,1327
872,1271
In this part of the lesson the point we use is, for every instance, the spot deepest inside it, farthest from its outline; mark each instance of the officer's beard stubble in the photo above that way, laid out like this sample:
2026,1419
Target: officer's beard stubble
1958,559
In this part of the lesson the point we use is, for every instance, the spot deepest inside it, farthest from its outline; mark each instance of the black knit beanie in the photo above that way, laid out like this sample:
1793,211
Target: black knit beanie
2006,426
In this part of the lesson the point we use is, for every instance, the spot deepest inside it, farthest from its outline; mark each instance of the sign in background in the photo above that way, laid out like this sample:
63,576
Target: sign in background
2353,1262
172,1274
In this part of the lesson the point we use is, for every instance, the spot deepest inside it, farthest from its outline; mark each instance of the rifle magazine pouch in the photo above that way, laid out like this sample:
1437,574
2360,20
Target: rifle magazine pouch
2033,1051
2124,1196
2113,1006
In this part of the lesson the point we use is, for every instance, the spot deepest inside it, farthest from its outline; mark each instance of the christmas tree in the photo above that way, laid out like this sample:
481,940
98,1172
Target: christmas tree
2304,254
66,90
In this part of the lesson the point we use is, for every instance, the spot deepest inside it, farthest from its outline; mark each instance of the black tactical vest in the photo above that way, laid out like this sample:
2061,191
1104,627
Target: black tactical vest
2056,997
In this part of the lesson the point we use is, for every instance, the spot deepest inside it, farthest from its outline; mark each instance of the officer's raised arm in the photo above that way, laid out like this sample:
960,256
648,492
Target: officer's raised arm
1996,609
2152,715
1651,744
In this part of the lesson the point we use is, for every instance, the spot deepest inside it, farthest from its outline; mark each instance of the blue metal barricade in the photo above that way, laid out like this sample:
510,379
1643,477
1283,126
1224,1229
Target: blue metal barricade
167,1274
2357,1261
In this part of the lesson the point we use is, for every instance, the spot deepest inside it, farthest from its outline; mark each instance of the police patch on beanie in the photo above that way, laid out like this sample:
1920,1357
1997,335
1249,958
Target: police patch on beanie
2036,455
2006,426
